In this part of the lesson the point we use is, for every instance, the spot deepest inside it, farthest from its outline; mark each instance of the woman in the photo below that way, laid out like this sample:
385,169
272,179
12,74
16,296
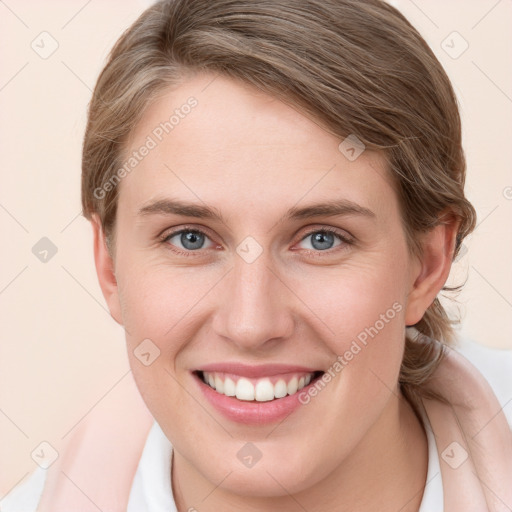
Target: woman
276,190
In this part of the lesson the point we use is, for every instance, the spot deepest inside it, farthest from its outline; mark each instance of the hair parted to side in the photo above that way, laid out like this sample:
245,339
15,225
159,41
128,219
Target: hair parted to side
355,66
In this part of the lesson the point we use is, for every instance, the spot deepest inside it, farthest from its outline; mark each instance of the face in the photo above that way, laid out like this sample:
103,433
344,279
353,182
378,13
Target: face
231,269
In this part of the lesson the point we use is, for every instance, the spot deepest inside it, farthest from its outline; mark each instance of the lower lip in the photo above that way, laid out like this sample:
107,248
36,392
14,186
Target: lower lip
252,413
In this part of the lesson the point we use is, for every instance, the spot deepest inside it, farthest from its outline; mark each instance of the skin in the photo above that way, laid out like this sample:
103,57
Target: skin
355,446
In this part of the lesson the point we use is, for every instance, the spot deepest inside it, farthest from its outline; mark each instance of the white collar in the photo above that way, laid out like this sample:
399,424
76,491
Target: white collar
433,494
151,489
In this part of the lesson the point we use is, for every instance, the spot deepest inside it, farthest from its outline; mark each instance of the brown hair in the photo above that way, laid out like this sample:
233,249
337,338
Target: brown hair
356,66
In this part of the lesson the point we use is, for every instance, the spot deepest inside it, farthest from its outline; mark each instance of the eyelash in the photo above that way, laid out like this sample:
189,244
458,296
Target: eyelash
344,239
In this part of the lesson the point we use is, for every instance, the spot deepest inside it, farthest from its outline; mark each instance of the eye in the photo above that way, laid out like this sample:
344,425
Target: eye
188,239
325,239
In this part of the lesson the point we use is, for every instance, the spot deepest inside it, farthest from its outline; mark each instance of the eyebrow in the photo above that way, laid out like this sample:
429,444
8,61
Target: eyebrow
335,208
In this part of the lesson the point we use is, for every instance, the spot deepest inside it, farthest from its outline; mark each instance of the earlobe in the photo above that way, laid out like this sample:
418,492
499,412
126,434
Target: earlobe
431,270
105,270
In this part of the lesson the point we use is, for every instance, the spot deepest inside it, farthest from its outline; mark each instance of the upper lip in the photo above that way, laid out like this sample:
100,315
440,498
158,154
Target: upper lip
255,371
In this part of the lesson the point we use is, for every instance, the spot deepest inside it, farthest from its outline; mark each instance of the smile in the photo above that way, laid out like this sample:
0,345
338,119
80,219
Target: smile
254,395
253,389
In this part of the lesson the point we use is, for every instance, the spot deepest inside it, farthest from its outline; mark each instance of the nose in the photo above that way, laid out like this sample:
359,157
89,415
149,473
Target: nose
254,308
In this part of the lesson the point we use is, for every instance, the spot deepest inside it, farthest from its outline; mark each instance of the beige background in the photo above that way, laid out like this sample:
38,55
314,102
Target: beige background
61,353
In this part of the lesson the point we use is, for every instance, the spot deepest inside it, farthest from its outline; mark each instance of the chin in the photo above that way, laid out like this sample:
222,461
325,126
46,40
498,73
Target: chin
274,475
262,484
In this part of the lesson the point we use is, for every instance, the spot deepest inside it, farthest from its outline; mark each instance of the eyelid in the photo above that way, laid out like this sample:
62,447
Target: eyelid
343,234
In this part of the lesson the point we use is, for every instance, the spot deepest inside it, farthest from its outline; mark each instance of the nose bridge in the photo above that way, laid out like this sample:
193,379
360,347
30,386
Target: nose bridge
253,309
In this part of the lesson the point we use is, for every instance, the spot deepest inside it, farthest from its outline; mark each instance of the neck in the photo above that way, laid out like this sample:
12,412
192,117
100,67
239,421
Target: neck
385,472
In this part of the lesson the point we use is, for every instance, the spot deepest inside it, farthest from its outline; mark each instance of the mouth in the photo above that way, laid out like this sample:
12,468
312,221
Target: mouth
252,389
255,394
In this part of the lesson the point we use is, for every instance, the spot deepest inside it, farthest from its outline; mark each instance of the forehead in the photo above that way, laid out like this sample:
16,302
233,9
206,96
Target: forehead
227,144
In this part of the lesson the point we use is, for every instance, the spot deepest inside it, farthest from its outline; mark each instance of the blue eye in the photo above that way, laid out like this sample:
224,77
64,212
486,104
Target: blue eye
325,239
190,239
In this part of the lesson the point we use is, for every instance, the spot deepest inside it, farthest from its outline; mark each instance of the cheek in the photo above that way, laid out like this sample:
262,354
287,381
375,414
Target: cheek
361,312
157,301
353,298
158,312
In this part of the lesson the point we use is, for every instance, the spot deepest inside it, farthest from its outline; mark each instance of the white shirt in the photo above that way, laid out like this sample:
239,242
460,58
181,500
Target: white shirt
151,489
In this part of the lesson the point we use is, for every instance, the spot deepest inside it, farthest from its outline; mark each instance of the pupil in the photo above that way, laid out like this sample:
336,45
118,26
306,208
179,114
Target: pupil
322,241
191,240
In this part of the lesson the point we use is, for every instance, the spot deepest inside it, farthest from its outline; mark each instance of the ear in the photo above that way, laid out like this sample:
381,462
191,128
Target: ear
431,269
105,270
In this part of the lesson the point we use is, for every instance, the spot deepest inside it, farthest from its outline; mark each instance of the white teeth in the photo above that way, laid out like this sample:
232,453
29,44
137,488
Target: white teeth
244,389
280,389
229,387
262,391
293,386
219,385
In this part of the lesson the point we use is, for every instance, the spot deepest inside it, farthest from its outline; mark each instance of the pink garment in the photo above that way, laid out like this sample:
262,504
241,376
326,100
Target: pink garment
101,456
103,452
